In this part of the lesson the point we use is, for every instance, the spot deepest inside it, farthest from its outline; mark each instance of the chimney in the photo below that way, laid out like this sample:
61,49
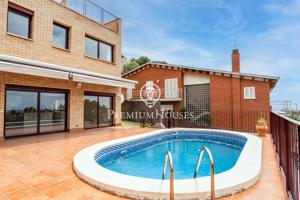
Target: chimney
235,60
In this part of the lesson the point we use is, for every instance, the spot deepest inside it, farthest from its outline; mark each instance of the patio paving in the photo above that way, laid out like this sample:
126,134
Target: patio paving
40,167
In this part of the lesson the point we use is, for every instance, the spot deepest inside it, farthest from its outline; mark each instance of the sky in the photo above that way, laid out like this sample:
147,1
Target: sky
202,33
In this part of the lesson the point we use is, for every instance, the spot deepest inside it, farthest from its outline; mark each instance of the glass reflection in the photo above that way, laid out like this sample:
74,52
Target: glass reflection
52,112
90,111
18,23
21,113
105,114
60,36
91,47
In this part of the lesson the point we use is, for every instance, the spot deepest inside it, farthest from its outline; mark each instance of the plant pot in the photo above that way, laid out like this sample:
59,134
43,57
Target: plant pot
261,130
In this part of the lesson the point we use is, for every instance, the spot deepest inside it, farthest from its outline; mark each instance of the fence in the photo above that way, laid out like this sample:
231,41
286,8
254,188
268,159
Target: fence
165,94
89,9
285,133
227,120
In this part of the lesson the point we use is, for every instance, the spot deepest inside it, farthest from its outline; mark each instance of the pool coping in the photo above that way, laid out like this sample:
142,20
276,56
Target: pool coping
242,175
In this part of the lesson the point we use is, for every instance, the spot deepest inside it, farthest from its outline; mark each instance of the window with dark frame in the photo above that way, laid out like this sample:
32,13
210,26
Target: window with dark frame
19,20
31,111
91,47
98,110
60,36
98,49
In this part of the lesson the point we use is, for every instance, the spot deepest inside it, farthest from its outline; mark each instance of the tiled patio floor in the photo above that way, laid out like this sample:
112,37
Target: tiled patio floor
40,167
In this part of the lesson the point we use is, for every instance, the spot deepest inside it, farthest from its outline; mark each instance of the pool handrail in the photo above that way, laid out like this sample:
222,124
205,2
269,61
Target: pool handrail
212,169
168,157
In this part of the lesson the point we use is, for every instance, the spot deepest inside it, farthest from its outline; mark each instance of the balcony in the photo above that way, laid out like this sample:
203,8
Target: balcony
166,95
92,11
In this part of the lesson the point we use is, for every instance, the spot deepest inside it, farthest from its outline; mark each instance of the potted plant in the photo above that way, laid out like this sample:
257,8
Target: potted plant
261,127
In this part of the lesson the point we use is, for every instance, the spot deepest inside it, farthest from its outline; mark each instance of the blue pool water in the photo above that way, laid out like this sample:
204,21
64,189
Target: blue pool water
148,161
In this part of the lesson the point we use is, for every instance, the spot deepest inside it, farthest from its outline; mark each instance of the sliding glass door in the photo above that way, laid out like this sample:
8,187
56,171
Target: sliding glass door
52,112
90,111
21,116
105,111
31,111
98,111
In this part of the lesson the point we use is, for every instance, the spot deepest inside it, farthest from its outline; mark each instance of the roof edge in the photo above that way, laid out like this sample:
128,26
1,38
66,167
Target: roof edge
203,69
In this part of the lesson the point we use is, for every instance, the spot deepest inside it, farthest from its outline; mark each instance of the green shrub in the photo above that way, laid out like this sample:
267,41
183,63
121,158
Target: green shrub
295,117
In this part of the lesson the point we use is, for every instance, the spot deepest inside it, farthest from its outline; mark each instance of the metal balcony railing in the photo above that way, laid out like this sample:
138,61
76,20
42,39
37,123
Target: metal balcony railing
89,9
165,95
285,133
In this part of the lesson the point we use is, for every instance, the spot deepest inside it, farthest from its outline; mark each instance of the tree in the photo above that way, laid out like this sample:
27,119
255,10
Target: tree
142,60
130,66
136,62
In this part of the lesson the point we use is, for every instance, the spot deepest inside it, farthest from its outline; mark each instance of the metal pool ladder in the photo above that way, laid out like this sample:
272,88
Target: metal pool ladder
168,157
212,170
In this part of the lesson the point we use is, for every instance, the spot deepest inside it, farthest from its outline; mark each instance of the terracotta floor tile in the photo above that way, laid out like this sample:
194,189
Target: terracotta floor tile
56,190
27,194
45,185
13,187
74,183
36,179
46,171
3,196
6,180
74,195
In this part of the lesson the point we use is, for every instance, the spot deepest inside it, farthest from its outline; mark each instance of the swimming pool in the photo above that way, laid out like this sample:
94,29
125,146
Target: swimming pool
133,166
148,160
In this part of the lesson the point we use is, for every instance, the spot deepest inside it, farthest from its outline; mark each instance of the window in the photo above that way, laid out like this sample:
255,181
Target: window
149,84
60,36
98,111
249,92
19,20
171,88
166,107
129,93
98,49
197,101
91,47
105,52
31,111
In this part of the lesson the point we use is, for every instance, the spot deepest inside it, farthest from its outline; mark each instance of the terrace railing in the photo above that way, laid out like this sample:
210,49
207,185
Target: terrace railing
89,9
286,138
165,95
220,119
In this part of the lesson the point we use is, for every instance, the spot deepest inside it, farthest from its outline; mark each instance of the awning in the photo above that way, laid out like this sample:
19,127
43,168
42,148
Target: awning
24,66
24,69
101,81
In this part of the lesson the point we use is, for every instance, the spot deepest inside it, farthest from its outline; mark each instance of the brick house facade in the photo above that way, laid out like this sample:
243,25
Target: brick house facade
227,104
34,64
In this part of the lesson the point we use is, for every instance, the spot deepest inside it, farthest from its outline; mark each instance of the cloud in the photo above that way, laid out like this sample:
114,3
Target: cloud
275,51
179,34
286,8
272,51
201,33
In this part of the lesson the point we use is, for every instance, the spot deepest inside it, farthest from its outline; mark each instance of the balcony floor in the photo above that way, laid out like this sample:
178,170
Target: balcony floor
40,167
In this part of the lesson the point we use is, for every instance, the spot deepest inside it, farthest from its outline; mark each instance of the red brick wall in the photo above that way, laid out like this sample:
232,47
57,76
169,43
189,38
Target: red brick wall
262,101
158,76
229,109
220,93
221,102
252,109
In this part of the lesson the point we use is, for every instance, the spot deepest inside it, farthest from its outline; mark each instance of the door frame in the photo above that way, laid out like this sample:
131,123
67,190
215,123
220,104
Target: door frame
38,90
101,94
